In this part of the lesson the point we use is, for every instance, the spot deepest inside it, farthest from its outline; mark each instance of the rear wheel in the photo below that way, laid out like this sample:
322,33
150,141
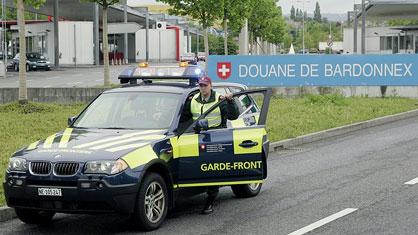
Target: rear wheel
152,202
246,190
29,216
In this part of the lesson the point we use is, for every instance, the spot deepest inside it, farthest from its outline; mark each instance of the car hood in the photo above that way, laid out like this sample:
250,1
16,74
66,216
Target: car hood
36,60
90,144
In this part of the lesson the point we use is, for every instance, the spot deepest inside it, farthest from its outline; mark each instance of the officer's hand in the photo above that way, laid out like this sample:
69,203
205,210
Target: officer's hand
227,97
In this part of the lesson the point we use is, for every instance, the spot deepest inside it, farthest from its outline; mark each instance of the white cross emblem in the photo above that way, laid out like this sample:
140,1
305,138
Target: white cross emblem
224,70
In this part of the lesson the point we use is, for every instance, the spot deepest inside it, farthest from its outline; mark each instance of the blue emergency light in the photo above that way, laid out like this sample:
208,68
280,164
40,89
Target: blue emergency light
147,73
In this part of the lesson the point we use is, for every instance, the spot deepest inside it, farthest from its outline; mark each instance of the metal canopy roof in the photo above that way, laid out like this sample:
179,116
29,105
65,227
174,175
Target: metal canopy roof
392,9
84,11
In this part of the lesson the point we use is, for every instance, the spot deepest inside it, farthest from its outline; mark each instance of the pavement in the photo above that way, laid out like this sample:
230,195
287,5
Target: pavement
64,77
350,184
86,76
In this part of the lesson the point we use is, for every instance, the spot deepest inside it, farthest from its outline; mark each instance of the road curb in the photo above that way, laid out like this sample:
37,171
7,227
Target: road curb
321,135
6,213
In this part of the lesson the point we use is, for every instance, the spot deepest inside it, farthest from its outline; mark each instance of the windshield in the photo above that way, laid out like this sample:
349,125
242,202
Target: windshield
34,56
130,110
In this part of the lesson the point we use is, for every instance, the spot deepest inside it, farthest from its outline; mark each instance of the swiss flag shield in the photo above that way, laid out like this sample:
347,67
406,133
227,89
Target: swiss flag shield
224,70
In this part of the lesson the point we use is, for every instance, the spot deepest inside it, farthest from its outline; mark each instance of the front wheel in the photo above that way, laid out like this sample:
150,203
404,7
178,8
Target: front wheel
29,216
152,202
246,190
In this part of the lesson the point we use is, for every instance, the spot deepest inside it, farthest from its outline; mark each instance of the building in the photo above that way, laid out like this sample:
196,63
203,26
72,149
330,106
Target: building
124,24
384,40
75,41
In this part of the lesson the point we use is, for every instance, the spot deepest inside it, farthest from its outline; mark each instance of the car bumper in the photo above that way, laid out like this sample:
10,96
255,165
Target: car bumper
40,66
100,197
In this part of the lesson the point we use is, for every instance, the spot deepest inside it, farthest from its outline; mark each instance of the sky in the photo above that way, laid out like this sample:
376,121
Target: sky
327,6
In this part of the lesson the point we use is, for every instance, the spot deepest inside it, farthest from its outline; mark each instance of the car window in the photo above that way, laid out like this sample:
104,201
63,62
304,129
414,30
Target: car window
249,110
130,110
248,104
220,90
235,89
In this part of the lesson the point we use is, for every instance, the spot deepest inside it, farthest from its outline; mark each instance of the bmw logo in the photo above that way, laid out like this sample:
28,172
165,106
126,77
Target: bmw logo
57,156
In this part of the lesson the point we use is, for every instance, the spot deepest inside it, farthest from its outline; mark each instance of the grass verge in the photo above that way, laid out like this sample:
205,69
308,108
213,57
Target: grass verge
288,118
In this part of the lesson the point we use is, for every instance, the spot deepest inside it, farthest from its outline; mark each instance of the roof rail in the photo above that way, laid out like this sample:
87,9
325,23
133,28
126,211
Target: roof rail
148,74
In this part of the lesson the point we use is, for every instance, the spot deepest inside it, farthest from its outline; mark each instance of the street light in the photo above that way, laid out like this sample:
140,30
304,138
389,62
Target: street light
303,23
4,38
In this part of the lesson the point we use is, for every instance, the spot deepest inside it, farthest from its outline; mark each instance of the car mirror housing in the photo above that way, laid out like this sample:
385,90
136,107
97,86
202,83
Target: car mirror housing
71,120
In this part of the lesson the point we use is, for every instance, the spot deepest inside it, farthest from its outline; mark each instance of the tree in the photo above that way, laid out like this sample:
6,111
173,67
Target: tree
206,12
216,45
266,21
317,13
23,91
299,15
235,11
105,5
292,13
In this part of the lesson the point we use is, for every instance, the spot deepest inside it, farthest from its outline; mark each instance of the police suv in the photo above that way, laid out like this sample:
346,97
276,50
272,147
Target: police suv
128,151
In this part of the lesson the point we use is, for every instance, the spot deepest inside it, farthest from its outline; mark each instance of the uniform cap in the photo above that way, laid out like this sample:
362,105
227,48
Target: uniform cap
205,80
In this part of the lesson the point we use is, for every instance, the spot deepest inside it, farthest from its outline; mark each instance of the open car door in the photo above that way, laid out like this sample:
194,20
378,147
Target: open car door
228,156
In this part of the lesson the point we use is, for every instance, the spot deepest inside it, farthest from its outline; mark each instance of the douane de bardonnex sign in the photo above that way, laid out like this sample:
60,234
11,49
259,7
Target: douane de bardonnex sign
316,70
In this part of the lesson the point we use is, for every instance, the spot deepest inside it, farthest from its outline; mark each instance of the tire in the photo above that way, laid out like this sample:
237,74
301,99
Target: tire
16,67
246,190
152,203
29,216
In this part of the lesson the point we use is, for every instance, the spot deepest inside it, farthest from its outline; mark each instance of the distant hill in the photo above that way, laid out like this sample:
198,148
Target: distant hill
330,16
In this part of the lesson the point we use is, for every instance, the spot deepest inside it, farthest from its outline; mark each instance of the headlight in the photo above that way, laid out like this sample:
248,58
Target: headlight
105,167
17,164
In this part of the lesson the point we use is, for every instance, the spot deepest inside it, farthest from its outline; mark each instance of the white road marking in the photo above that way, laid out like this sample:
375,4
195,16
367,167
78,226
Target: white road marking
412,182
99,80
323,221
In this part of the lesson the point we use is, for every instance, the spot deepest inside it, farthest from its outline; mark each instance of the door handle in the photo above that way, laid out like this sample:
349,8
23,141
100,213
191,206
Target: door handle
248,144
166,151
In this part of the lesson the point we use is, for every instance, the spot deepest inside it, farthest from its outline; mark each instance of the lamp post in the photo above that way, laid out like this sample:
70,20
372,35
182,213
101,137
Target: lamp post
303,23
146,10
4,38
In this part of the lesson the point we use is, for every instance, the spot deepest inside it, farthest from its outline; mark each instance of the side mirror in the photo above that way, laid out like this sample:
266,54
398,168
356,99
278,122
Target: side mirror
201,125
71,120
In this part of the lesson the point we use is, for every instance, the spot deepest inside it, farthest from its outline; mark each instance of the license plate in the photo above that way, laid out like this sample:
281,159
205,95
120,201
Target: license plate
49,192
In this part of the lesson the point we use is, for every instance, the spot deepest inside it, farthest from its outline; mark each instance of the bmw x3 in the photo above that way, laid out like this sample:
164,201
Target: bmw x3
128,151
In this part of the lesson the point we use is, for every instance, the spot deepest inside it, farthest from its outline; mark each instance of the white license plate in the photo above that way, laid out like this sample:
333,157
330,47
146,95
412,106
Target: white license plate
49,192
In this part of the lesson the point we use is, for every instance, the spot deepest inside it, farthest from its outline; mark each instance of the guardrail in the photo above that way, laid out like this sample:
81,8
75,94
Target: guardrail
52,95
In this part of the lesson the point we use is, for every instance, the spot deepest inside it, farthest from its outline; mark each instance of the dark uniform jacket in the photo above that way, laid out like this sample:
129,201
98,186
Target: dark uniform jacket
229,109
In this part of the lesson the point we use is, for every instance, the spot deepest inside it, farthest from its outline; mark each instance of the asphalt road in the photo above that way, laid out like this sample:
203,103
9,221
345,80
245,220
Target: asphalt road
64,77
69,77
365,170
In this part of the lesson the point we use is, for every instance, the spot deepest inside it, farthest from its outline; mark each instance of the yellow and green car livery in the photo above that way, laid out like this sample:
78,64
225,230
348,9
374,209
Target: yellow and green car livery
128,147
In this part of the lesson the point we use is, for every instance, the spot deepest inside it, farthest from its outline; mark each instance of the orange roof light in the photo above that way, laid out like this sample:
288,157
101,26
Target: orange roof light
143,65
184,64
